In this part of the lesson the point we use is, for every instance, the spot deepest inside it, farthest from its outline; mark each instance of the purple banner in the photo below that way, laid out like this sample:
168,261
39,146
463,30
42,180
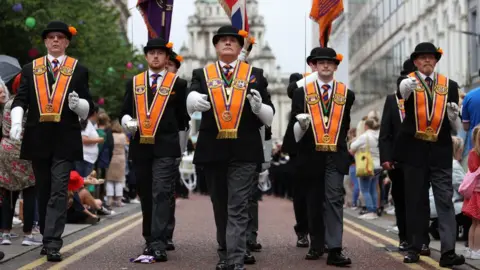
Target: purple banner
157,15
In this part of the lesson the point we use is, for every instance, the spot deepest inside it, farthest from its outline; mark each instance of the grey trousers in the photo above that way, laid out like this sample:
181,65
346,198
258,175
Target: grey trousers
325,199
52,177
417,185
230,185
155,179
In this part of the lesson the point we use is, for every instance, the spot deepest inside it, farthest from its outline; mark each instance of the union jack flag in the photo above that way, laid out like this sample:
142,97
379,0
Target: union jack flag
237,12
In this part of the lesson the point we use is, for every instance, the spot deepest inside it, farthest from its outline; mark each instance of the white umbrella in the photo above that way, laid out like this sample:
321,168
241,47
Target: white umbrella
9,67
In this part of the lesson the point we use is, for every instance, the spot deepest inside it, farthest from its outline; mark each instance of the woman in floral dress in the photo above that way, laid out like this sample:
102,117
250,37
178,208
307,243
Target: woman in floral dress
16,176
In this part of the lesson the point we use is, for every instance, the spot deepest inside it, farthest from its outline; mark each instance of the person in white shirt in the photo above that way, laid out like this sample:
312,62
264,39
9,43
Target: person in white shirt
368,184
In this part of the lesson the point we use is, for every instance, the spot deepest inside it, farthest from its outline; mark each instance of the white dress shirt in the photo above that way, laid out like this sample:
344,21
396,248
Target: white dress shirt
60,59
159,79
232,64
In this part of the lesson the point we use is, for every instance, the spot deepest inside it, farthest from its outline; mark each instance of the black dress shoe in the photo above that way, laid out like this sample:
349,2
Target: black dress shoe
2,255
411,257
53,255
236,267
254,246
221,265
248,258
450,259
302,241
170,245
425,251
147,251
159,255
313,254
403,246
337,258
43,252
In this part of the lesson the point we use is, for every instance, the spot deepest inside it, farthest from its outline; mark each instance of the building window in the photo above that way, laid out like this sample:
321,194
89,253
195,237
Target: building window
380,13
474,55
393,5
386,9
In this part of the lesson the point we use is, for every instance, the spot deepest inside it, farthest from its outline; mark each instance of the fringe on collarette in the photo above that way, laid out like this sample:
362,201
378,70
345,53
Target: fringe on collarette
326,148
227,134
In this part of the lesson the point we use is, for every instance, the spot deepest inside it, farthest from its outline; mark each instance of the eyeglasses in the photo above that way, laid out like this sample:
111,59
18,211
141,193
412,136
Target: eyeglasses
59,37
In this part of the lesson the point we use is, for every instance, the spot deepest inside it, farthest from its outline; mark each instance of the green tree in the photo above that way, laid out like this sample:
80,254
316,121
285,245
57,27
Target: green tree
100,45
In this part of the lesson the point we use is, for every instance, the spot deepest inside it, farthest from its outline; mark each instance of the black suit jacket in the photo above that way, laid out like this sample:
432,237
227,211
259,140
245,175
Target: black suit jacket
248,146
289,145
174,119
389,128
43,140
420,153
306,145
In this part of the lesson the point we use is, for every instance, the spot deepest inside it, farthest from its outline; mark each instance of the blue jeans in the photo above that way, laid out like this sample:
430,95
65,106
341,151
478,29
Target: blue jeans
368,186
84,168
356,187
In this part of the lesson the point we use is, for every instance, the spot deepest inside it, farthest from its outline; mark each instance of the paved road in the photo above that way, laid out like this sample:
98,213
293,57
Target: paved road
111,245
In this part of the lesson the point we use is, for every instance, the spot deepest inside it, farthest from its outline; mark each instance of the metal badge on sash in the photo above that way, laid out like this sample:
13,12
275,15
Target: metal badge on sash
149,117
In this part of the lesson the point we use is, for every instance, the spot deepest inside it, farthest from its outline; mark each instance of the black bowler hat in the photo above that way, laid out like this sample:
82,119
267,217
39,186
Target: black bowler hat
426,48
228,31
325,54
408,67
312,53
177,59
57,26
158,43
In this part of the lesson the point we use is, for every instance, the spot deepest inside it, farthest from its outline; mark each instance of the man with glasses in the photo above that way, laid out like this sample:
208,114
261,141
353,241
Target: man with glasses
52,138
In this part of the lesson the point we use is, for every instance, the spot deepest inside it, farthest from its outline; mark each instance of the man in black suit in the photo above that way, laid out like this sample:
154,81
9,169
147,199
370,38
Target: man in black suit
289,146
229,146
392,118
52,139
157,99
424,150
323,157
178,188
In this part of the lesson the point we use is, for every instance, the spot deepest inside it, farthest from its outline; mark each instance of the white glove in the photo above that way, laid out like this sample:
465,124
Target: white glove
129,124
407,86
452,111
17,118
78,105
264,183
304,120
255,101
197,102
183,139
73,100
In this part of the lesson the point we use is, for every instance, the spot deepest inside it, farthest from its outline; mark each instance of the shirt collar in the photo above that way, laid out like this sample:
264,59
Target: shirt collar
330,83
425,76
232,64
60,58
162,73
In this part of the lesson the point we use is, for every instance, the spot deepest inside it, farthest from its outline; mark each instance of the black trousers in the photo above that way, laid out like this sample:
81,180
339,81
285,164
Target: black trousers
300,190
230,187
52,177
252,228
8,208
171,220
155,180
398,194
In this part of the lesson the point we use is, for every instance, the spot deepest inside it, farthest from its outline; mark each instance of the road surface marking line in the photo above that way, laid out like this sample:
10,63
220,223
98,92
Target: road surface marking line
87,250
392,241
396,256
81,241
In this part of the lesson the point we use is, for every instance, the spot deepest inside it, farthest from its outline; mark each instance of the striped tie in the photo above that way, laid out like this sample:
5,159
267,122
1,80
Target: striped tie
325,88
154,81
56,67
227,71
429,82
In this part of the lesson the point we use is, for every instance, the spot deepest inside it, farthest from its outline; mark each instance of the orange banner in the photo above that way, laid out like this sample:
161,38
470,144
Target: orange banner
324,12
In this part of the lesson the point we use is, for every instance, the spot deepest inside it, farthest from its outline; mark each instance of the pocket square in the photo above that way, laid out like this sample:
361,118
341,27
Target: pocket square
253,79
